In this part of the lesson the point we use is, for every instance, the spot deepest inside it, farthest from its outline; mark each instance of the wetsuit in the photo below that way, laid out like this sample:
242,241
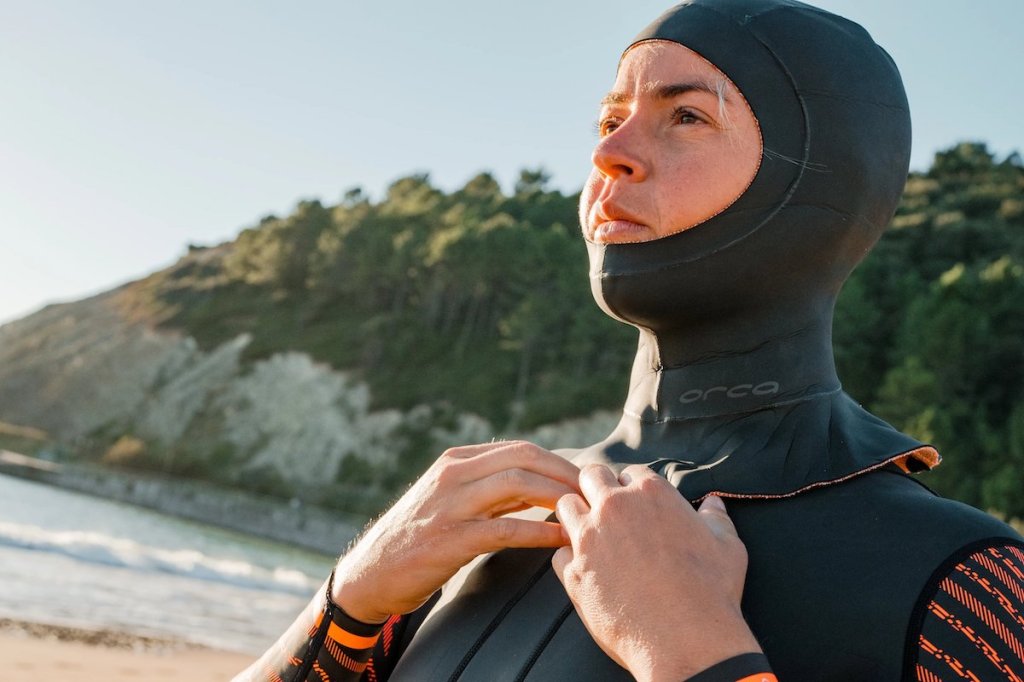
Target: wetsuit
967,625
856,571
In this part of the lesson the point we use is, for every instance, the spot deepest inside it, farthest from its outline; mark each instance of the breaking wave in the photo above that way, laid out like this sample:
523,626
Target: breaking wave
98,548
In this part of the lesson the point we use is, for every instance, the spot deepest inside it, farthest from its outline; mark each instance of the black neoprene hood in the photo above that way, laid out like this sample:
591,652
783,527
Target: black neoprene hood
836,131
735,314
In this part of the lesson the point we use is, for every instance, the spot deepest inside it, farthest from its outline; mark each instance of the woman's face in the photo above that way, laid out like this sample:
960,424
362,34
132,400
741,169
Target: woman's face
678,144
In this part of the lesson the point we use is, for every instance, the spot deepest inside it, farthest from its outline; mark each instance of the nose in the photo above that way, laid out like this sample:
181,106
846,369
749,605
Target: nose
619,154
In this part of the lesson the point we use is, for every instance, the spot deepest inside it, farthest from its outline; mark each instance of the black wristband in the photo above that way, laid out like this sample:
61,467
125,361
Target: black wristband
734,669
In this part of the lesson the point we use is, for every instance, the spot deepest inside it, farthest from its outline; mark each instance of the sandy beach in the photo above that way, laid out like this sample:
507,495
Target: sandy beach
35,651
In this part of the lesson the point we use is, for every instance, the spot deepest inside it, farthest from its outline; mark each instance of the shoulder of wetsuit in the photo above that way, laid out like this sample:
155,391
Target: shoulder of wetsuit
862,551
904,500
935,512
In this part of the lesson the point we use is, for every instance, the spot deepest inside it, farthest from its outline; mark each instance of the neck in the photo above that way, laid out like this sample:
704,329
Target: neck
731,367
746,403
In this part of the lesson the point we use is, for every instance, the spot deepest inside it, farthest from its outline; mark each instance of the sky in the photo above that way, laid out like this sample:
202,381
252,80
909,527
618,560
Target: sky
130,130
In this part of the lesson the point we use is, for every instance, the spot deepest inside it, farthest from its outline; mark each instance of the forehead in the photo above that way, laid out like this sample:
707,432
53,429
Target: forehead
652,64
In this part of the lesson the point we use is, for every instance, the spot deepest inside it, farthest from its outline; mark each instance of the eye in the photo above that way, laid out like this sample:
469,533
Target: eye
607,125
686,116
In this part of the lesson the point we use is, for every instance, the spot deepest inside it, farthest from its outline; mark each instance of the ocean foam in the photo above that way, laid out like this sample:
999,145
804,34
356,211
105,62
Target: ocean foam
98,548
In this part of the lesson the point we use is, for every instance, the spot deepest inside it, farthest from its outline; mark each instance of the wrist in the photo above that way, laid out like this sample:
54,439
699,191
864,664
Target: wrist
344,598
673,663
692,671
749,667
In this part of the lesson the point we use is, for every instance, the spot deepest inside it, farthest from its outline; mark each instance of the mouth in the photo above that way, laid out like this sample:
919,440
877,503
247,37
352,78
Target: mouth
613,226
618,231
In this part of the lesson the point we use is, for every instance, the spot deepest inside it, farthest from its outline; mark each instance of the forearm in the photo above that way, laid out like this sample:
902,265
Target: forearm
452,514
323,643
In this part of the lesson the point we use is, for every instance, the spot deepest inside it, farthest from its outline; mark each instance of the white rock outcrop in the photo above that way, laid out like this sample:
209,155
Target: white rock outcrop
82,371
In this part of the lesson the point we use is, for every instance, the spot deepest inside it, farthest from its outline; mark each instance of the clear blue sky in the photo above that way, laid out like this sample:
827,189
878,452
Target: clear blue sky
130,129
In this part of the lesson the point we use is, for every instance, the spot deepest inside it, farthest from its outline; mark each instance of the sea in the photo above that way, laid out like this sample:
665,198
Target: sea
77,560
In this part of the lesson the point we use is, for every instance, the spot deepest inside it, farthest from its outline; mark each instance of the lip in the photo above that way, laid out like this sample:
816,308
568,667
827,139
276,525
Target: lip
613,224
613,231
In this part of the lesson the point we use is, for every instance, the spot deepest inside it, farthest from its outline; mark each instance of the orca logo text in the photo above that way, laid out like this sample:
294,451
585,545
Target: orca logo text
741,391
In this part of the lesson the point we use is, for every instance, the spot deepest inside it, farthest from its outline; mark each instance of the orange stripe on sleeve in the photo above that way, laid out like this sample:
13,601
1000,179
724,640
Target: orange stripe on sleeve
345,638
324,677
956,666
1014,585
271,674
389,633
991,619
977,609
344,659
311,631
760,677
1020,557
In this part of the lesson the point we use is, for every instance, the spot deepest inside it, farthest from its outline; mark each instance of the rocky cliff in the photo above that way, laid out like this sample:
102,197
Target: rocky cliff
108,389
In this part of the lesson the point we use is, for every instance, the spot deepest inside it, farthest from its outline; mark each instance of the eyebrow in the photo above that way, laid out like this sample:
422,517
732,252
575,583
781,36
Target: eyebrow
663,92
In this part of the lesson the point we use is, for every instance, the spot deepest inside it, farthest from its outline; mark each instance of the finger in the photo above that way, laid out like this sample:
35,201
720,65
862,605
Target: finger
560,560
595,481
504,532
511,508
467,451
509,489
570,512
522,455
712,512
635,473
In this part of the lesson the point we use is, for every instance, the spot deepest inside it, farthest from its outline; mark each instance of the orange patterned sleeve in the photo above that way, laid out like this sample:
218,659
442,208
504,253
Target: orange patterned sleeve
973,624
325,644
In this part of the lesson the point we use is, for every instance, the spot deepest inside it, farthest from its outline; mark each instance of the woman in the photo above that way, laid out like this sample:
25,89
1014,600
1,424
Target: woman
751,153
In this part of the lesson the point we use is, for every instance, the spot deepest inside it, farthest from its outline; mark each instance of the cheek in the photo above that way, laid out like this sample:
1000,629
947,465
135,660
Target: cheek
694,190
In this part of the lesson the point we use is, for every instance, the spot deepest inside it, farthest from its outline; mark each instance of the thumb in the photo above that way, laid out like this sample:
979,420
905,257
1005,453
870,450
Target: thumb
712,512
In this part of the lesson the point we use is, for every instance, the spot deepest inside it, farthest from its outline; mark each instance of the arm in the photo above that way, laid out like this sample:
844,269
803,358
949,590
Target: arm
324,643
453,513
679,617
970,619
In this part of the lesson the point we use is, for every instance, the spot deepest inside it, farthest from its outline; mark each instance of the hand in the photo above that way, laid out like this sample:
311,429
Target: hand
657,584
454,512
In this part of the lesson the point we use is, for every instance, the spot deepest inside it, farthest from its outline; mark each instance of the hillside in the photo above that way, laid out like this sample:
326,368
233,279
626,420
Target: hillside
341,347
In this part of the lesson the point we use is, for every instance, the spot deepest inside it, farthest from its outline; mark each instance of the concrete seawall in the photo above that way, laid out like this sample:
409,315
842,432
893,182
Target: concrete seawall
310,527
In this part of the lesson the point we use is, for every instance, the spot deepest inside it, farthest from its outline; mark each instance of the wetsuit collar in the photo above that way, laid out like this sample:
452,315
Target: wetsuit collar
675,380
